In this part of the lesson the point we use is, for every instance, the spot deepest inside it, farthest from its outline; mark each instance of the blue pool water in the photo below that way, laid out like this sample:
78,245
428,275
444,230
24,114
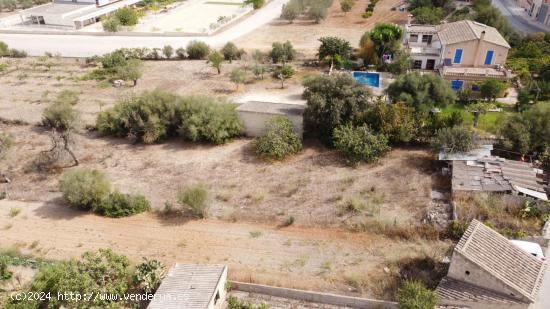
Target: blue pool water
367,78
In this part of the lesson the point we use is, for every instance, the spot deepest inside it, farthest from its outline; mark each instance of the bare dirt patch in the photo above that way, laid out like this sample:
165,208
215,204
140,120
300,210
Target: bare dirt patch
249,199
293,257
30,84
304,33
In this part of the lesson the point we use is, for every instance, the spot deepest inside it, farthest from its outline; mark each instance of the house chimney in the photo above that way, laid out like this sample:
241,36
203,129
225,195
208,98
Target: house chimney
482,35
409,19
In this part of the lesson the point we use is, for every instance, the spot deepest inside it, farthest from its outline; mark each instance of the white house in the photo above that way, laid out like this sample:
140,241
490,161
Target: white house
72,14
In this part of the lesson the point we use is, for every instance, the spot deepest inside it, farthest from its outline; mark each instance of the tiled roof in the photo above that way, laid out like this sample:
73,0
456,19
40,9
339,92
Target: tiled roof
467,30
188,286
497,255
451,289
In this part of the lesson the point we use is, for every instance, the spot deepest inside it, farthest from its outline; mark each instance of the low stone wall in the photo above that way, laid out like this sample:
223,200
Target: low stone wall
314,297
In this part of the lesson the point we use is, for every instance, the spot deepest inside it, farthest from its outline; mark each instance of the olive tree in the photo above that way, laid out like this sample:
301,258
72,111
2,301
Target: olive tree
332,101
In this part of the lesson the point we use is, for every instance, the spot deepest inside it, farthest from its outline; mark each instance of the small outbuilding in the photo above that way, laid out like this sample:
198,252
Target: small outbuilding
191,287
255,114
488,271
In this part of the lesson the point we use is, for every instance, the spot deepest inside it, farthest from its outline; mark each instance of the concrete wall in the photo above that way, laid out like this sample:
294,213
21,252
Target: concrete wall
219,296
254,123
315,297
474,54
464,270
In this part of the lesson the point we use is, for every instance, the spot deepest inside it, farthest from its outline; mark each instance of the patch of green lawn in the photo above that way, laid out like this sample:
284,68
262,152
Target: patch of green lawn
488,122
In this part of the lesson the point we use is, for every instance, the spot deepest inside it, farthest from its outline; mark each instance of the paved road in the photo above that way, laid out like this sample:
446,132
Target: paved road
88,45
517,17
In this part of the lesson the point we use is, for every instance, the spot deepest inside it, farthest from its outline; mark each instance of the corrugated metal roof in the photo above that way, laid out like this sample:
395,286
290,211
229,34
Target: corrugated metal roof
188,287
467,30
503,260
494,174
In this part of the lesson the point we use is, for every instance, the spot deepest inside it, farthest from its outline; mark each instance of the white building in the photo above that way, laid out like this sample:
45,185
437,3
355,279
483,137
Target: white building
72,14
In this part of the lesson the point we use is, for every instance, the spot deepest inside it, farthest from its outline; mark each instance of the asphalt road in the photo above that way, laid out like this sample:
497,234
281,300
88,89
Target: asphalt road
89,45
516,16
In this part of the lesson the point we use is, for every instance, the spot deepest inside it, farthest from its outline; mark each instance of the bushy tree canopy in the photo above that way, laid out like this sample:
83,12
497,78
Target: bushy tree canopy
360,144
454,139
334,48
421,91
282,52
332,101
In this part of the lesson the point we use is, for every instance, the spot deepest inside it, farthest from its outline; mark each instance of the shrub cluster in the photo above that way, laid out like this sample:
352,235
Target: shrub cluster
279,140
360,144
91,190
414,295
314,9
154,116
12,5
102,271
125,16
5,51
195,198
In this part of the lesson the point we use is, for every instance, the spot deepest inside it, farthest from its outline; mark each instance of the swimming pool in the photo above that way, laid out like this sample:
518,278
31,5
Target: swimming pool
370,79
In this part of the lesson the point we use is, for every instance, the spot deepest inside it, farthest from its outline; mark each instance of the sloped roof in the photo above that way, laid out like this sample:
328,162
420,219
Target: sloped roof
467,30
188,286
456,290
498,256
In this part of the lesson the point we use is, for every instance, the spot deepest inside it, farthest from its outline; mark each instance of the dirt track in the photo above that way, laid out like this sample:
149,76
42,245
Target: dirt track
292,257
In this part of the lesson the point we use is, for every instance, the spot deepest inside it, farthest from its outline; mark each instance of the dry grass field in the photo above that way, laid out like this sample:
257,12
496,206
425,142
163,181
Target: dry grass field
249,199
304,33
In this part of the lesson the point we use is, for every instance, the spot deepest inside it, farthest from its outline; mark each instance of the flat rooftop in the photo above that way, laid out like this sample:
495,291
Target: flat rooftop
272,108
58,8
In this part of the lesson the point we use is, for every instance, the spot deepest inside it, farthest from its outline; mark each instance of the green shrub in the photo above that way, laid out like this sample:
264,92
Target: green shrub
102,271
454,139
195,197
4,50
359,144
197,50
153,116
60,115
204,119
146,118
282,52
111,24
5,274
256,4
279,140
413,295
149,275
85,189
118,205
127,16
168,51
231,52
456,229
68,96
